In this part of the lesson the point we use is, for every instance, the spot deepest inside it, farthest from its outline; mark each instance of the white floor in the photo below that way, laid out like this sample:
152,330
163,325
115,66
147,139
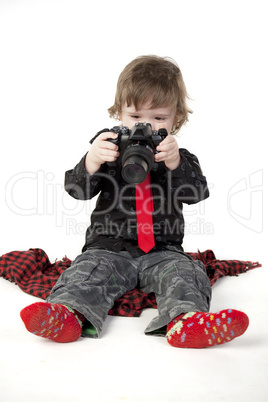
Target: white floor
126,365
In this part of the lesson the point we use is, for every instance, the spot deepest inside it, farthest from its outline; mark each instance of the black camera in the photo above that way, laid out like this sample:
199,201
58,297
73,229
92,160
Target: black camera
137,148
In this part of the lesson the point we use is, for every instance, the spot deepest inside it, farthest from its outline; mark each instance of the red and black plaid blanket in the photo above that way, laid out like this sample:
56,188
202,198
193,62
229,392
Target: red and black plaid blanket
32,271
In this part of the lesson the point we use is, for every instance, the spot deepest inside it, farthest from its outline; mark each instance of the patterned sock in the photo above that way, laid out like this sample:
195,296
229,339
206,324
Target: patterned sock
201,330
53,321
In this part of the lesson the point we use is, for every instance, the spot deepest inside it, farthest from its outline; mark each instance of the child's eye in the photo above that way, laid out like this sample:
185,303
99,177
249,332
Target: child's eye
135,117
160,118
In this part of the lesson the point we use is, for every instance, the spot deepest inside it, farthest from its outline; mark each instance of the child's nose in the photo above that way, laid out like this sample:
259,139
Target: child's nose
154,124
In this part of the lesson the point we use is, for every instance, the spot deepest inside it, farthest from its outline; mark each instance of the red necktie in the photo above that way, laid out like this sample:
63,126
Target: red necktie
144,209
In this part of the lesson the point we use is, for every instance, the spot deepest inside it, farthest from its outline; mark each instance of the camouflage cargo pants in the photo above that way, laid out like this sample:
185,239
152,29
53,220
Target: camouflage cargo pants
98,277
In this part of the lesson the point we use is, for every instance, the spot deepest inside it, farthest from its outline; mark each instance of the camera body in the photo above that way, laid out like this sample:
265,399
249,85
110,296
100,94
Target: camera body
137,148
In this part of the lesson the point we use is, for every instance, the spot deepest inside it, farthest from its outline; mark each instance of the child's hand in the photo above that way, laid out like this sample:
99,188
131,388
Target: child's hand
101,151
168,153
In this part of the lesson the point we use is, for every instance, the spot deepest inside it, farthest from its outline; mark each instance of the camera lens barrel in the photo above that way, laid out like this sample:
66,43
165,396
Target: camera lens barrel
137,162
135,170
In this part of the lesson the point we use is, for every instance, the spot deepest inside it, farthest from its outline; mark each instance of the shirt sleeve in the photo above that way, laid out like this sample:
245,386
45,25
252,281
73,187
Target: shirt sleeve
80,184
188,183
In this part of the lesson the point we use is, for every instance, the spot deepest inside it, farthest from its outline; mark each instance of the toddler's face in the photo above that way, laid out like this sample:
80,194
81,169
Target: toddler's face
158,118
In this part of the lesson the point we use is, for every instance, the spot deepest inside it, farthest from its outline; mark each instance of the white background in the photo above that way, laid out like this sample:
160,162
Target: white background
59,64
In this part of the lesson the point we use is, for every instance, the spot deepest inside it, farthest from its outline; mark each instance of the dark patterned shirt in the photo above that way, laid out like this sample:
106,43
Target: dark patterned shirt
113,221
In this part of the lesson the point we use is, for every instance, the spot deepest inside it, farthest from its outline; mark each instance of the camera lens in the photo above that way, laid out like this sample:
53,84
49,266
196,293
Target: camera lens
137,162
135,170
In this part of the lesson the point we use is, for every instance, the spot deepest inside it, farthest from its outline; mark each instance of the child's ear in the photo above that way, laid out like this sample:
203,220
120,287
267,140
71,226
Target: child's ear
177,118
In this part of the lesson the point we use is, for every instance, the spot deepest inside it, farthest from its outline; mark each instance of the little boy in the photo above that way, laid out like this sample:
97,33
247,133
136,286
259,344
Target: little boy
137,228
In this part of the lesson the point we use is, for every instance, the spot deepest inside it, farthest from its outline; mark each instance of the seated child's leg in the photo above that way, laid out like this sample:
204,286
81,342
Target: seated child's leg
201,330
53,321
93,282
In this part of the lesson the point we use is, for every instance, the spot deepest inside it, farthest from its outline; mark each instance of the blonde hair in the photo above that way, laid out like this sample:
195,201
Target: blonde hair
152,80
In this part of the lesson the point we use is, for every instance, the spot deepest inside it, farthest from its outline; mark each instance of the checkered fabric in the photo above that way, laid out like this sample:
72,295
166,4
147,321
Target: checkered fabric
32,271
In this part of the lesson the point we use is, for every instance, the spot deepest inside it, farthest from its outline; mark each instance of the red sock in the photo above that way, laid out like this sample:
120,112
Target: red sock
201,330
52,321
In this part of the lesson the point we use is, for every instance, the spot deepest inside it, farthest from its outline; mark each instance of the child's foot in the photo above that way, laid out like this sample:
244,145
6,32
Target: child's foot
201,330
52,321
